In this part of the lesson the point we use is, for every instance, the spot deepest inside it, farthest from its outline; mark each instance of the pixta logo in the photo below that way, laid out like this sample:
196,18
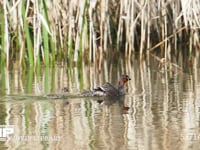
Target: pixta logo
5,130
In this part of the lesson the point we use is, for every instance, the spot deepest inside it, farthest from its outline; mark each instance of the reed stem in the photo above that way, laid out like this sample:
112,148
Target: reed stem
27,35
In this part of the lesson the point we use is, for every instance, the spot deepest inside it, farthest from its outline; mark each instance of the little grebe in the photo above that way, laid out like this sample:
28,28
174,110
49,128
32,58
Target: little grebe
109,90
57,96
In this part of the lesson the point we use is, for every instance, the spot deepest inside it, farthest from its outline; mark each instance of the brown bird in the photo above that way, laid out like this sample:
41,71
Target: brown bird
108,89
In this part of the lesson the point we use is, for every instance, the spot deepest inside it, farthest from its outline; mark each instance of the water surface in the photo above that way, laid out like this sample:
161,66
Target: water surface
160,110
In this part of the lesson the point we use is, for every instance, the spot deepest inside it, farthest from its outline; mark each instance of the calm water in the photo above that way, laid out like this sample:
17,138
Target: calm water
160,111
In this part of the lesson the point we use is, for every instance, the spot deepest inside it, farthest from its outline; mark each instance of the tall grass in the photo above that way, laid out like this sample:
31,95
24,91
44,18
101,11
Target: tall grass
35,32
27,34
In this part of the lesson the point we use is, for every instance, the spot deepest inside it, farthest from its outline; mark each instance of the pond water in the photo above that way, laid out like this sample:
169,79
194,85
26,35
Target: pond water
161,109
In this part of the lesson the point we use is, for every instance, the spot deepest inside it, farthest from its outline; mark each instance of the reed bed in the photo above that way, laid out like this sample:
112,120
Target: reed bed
43,32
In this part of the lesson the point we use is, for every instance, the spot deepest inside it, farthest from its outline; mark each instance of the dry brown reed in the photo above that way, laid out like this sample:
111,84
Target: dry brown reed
44,31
